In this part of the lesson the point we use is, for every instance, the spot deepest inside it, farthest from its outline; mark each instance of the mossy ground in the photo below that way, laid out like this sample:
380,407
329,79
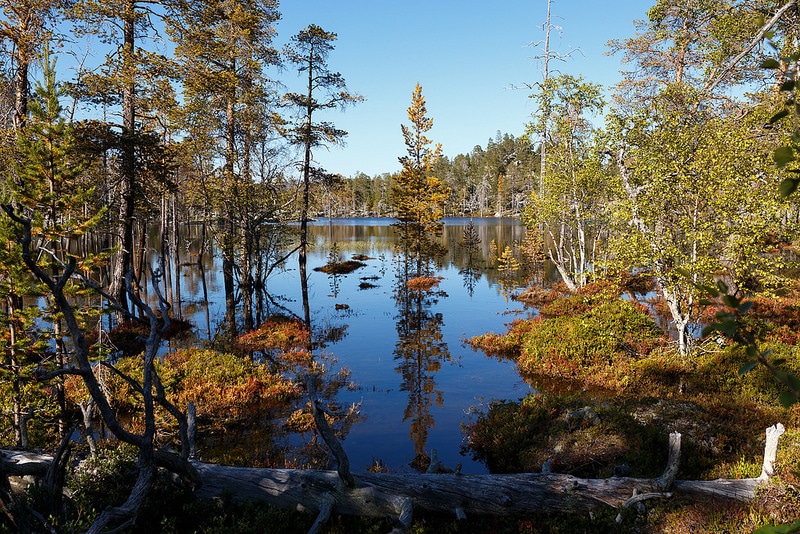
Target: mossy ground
599,354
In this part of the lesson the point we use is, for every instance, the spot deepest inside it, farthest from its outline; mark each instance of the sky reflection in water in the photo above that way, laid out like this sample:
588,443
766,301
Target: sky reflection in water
410,370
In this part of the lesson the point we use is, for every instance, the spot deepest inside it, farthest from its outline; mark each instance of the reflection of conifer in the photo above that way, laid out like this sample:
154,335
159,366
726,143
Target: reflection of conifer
470,276
419,353
492,252
470,238
470,241
334,259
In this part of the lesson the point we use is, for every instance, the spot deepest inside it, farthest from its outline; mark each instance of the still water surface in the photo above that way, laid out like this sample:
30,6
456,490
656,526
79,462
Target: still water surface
412,399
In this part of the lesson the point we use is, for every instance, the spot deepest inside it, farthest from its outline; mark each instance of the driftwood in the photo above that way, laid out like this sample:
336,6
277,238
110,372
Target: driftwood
396,495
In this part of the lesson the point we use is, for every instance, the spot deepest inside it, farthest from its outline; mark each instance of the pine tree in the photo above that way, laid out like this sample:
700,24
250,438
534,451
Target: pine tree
223,48
45,188
309,51
418,196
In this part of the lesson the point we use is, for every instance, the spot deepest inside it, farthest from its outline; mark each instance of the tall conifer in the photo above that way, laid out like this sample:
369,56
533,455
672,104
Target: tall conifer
309,52
418,196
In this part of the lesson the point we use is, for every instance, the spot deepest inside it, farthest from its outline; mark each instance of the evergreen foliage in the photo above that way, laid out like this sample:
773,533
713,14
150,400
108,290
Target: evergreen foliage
417,195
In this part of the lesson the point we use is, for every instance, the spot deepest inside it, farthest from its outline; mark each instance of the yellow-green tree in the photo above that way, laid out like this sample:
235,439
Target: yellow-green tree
572,207
417,195
699,187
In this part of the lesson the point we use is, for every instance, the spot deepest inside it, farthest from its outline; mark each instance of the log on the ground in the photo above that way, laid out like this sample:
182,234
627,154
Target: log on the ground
392,494
377,494
23,463
389,494
385,494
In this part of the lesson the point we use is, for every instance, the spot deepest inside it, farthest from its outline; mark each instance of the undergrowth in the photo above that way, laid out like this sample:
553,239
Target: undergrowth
611,387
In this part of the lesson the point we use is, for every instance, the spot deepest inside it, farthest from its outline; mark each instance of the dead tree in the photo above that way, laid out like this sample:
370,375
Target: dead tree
397,495
149,387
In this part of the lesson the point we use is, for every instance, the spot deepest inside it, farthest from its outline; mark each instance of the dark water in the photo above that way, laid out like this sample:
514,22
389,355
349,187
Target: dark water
415,380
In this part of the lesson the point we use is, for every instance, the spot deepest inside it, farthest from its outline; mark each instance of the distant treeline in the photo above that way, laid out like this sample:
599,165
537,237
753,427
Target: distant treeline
496,179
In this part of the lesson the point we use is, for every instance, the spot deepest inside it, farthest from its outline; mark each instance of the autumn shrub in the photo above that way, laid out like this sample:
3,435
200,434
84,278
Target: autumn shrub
662,371
509,432
582,301
225,388
721,438
423,283
278,333
594,337
771,319
685,515
520,436
597,346
634,284
781,318
787,464
538,296
535,296
505,345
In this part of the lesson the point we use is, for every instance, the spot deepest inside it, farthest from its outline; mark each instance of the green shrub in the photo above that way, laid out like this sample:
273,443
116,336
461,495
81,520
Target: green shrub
98,483
508,432
597,346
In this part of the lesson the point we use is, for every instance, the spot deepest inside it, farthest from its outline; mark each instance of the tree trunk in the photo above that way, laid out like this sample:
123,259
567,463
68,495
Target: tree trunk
176,259
390,494
680,317
378,494
229,236
128,171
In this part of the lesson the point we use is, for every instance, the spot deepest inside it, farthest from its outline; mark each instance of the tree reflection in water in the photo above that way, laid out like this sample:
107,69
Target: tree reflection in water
421,382
420,351
471,272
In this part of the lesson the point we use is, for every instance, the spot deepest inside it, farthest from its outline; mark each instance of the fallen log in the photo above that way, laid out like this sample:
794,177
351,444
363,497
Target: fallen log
377,494
385,494
392,494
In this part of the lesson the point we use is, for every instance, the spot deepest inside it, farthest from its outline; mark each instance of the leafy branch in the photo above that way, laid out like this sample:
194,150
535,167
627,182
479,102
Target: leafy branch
787,75
730,323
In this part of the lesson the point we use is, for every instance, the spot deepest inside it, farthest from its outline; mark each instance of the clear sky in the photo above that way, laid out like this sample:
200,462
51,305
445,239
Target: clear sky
467,56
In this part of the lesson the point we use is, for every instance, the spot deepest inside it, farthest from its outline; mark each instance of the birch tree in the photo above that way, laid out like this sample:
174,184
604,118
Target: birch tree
696,194
572,208
687,159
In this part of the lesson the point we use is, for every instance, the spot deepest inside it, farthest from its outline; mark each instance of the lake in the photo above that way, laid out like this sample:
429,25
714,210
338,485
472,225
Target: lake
410,371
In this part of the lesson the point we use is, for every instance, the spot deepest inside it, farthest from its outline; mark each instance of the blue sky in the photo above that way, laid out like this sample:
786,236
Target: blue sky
468,57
